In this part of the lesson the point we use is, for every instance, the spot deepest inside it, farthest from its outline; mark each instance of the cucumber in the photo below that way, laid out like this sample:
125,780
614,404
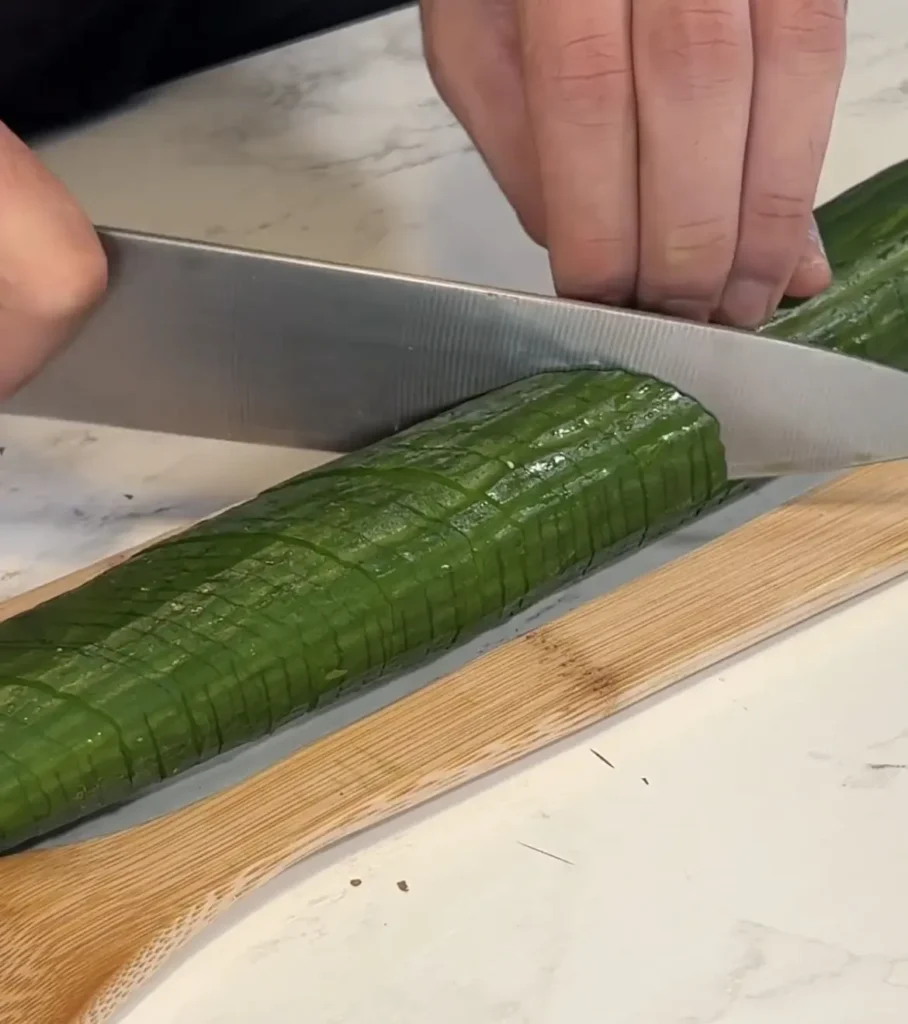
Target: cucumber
336,578
374,562
864,312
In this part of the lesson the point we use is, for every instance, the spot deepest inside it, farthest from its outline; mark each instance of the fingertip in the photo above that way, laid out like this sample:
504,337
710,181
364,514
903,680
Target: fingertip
812,274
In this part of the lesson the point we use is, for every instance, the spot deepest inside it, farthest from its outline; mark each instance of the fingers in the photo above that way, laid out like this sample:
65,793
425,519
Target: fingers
52,266
693,70
580,95
473,52
669,159
800,54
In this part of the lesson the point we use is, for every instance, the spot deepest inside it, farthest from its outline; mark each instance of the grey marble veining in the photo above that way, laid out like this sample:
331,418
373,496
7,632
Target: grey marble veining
338,147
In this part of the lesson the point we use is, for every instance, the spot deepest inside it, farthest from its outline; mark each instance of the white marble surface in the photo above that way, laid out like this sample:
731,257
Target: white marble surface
761,871
745,862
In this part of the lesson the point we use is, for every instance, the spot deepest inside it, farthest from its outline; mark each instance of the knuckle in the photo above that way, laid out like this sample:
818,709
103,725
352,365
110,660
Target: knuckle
706,243
809,37
775,225
592,79
600,269
701,45
452,33
789,212
693,261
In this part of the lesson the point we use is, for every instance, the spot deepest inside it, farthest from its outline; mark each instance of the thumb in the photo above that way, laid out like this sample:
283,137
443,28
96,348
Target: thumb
812,274
52,265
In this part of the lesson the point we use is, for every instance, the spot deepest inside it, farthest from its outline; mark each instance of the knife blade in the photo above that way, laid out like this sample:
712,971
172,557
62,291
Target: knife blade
210,341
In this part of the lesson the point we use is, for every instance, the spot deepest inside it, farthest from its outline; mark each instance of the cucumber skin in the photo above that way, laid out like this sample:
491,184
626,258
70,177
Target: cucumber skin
334,579
99,697
864,312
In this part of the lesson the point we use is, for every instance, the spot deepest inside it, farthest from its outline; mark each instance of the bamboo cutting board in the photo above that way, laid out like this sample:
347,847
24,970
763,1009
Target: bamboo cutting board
83,925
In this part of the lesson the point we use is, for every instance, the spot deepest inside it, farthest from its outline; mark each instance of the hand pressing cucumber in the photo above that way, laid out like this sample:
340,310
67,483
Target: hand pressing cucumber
666,152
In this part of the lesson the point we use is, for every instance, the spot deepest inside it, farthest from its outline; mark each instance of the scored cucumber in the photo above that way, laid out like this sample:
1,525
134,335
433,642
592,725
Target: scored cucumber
375,561
336,577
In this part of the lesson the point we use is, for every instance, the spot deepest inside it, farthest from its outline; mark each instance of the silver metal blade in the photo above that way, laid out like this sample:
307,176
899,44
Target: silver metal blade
202,340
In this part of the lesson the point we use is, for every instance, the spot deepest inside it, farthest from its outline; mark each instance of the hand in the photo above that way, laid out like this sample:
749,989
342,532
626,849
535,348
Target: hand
667,159
52,266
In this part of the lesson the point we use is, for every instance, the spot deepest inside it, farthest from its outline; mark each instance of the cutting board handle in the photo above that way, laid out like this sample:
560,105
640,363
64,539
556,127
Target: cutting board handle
82,926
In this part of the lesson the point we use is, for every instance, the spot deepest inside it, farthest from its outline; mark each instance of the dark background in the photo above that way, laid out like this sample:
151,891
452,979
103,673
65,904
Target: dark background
62,61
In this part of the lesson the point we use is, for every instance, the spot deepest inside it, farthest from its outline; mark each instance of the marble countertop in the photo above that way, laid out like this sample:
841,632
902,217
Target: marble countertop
744,860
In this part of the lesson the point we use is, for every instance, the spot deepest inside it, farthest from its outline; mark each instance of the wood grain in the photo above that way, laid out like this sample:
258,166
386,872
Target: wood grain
83,925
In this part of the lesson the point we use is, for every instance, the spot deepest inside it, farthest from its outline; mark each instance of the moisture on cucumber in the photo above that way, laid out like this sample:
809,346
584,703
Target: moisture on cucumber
337,577
373,562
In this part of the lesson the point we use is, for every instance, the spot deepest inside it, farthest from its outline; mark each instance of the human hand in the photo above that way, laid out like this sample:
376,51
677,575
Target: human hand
52,266
667,159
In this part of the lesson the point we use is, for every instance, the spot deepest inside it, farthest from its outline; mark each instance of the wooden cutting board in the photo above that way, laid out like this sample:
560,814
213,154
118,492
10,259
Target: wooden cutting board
83,925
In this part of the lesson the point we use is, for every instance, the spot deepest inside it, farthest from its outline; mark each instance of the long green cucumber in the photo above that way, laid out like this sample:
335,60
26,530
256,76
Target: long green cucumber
373,562
335,578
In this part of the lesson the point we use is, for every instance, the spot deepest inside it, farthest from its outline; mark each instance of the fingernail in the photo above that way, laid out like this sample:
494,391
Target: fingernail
813,233
746,302
811,259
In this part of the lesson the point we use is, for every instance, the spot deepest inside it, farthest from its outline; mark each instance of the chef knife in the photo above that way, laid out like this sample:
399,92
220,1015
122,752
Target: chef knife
210,341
